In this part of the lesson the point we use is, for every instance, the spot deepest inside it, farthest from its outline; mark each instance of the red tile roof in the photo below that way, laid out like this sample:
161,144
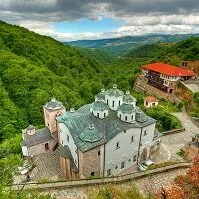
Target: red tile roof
168,69
150,99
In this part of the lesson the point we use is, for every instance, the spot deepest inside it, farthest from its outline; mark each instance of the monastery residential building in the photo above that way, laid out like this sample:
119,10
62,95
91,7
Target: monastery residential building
164,76
103,138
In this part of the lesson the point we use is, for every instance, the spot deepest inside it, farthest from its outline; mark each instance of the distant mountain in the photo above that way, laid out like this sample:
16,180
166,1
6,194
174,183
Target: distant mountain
123,45
173,53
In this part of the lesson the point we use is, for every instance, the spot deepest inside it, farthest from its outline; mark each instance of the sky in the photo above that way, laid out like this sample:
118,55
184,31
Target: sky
67,20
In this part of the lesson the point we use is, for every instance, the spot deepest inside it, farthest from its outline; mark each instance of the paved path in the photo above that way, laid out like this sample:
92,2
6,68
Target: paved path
146,185
152,184
171,144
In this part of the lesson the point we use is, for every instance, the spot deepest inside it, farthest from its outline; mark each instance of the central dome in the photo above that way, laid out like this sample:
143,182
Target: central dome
115,92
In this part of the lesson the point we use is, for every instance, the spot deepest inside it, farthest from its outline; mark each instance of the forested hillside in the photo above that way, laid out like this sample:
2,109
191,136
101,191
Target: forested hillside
122,45
168,52
35,68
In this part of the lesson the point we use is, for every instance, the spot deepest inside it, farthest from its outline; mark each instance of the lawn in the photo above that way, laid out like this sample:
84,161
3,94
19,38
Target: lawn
168,106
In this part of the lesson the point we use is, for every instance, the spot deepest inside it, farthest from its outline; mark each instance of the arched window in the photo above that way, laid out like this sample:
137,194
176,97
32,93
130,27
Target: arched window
113,103
132,117
125,118
104,114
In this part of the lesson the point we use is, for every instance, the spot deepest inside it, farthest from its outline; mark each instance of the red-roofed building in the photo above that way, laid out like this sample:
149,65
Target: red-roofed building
164,76
150,101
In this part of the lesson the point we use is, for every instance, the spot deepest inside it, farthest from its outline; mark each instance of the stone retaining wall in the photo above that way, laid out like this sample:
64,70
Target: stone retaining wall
97,181
173,131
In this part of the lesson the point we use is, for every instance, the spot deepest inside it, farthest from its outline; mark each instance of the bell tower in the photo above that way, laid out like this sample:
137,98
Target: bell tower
52,109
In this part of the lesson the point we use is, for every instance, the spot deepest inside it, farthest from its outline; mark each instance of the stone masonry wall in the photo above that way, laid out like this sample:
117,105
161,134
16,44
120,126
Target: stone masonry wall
91,162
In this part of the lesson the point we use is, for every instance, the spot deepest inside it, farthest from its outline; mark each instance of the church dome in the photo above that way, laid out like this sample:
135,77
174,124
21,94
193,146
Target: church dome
100,106
126,108
53,104
115,92
90,134
129,99
101,95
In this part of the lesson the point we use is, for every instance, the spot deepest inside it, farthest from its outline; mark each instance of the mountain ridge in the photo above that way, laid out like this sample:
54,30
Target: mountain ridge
122,45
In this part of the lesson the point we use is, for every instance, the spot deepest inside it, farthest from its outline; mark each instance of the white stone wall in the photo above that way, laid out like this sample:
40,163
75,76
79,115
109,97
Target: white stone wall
117,101
64,135
100,113
127,148
39,148
124,116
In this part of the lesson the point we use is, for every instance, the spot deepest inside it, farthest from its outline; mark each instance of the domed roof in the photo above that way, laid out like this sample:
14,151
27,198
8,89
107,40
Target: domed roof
101,95
115,92
141,117
99,106
30,128
126,108
128,98
90,134
53,104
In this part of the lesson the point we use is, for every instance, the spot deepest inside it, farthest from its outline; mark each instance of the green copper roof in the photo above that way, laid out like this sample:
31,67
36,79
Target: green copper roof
107,128
99,106
101,95
53,104
141,117
126,108
115,92
90,134
128,98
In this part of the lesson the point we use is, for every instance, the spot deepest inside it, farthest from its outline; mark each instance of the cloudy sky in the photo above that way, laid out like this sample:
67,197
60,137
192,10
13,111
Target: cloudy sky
67,20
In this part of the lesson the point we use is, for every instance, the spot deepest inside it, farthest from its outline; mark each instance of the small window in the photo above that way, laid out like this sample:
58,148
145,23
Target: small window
98,153
124,131
132,117
68,138
132,138
122,165
120,116
97,114
129,159
113,104
109,172
62,142
115,167
118,145
125,118
107,101
134,158
145,132
104,114
119,102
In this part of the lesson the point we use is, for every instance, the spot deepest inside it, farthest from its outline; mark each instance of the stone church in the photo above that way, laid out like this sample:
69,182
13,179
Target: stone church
103,138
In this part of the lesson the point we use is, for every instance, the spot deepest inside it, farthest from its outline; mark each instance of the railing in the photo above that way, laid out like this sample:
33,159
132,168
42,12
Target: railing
97,181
